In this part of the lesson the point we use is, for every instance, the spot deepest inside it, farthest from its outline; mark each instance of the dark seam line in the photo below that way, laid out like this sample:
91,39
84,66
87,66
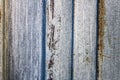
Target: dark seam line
43,63
72,42
97,39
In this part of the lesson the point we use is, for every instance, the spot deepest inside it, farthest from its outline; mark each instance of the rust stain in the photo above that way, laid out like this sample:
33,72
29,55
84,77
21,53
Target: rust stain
101,25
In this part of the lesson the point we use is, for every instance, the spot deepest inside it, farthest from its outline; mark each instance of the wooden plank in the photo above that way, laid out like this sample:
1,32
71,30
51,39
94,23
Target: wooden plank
85,40
22,39
5,40
59,38
109,40
1,37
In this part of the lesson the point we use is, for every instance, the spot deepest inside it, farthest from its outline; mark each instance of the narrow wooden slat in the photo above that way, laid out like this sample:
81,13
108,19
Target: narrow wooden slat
5,40
22,39
59,31
0,32
109,40
85,40
1,36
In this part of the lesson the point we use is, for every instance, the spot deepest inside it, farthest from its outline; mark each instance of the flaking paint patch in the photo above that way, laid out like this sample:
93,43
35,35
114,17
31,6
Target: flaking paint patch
51,42
101,25
51,45
53,38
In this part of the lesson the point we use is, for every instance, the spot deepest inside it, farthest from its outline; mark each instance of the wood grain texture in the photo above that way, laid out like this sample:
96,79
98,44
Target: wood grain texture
22,39
25,24
59,31
1,36
1,33
85,40
5,40
110,60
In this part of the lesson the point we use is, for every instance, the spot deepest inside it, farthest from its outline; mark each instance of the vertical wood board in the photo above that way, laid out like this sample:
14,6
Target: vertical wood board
1,36
85,40
109,43
59,37
23,39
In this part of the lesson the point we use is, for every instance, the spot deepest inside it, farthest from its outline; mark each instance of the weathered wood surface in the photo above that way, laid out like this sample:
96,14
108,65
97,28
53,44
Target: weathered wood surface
22,39
59,39
1,36
109,40
85,40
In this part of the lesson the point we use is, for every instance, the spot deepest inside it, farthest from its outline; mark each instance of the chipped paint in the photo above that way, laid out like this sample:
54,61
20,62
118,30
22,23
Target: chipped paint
52,41
51,45
53,37
101,25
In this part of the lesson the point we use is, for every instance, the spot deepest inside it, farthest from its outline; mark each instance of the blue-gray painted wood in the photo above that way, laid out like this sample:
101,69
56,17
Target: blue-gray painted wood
85,40
59,39
38,40
25,40
24,34
110,66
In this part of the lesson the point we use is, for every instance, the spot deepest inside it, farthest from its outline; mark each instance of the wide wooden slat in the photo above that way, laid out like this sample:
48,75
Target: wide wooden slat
22,39
59,38
109,40
85,40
